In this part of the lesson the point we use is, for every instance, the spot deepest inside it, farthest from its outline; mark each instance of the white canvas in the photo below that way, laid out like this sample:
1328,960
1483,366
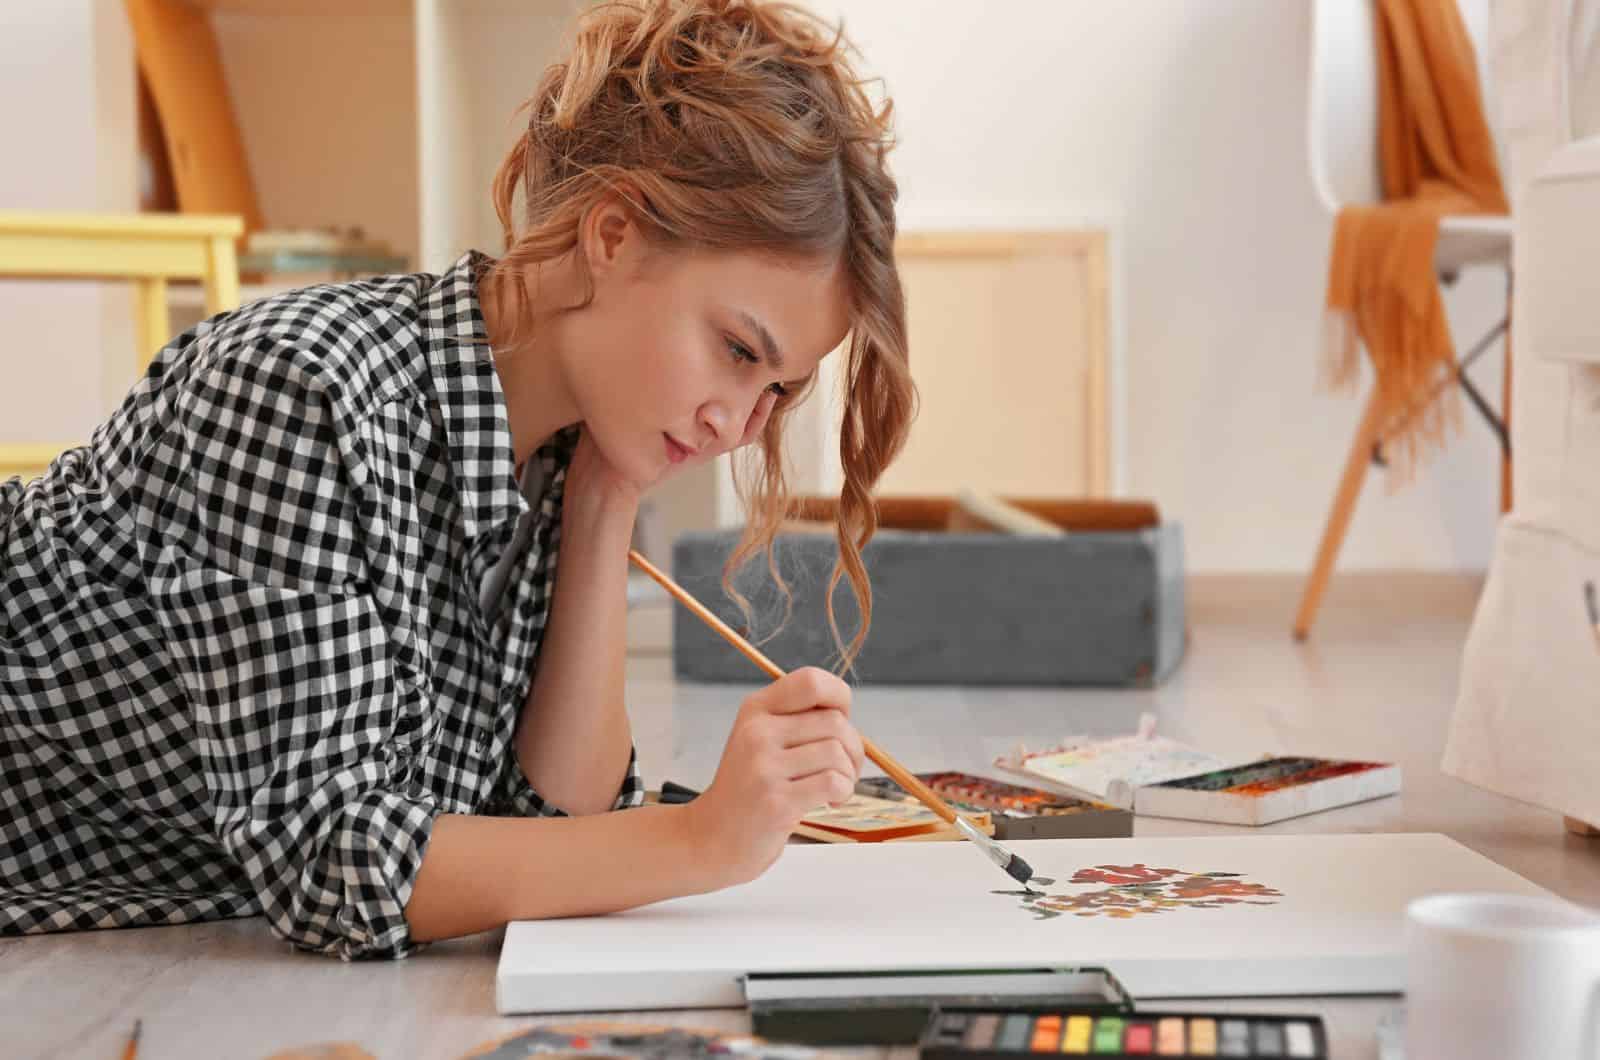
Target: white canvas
1335,925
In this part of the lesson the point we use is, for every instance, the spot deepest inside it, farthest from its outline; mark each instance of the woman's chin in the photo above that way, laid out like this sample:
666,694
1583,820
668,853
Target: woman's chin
647,474
663,472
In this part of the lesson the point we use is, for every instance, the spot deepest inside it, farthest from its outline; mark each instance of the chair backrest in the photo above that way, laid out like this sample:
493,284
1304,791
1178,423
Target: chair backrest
147,248
1342,116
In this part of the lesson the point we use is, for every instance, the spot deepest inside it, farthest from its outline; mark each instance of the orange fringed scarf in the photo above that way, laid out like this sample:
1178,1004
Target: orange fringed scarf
1437,157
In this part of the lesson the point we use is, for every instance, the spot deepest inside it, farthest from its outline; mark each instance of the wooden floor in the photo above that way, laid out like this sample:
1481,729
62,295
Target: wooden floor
1377,679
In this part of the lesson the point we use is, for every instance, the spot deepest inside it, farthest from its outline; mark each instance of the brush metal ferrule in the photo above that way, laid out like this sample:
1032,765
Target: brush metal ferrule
997,853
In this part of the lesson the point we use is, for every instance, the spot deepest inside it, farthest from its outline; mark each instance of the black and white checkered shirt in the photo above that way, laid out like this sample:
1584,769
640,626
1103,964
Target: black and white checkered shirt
243,661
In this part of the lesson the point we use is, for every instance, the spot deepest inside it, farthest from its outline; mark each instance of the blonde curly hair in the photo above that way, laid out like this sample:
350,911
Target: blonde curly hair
734,125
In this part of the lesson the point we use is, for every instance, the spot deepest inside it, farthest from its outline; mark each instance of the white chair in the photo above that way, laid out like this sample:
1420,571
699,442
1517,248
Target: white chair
1342,134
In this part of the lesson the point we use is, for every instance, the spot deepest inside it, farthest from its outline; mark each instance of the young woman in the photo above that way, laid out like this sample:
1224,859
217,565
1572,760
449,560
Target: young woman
326,622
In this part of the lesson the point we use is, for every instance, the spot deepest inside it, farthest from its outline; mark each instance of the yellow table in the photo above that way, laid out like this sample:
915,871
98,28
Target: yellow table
148,249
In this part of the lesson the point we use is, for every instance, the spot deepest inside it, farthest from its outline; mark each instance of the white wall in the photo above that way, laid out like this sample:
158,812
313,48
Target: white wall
1187,121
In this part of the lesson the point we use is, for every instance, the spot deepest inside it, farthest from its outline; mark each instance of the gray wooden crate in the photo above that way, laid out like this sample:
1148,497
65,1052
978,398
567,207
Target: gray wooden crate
1091,608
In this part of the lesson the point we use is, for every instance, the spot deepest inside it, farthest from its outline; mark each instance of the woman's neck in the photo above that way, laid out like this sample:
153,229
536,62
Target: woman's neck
539,401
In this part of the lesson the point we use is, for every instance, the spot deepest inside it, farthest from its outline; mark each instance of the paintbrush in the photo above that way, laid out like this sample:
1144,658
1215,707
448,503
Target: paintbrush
1014,866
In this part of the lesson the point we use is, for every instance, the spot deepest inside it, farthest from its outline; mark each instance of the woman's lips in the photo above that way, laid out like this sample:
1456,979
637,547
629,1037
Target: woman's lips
675,452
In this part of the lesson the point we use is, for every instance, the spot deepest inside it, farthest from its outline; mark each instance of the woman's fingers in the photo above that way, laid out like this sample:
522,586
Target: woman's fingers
824,724
803,689
758,418
827,787
818,773
822,756
821,723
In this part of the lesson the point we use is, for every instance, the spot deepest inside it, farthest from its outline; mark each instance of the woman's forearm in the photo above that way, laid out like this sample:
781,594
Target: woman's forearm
481,872
573,739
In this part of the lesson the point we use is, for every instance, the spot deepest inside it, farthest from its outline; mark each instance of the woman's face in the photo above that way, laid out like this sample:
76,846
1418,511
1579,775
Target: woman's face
679,356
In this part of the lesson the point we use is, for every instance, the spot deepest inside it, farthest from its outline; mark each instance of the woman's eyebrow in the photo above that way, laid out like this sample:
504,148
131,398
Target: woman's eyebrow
774,355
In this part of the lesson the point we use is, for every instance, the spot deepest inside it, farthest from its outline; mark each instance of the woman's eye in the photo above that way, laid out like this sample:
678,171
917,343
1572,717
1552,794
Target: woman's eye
741,353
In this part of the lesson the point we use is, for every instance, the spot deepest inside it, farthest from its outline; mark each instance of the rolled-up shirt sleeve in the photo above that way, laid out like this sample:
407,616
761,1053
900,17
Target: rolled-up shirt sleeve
304,723
515,797
295,711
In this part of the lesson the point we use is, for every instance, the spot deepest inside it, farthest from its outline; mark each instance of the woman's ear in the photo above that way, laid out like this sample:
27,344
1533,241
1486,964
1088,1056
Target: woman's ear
610,236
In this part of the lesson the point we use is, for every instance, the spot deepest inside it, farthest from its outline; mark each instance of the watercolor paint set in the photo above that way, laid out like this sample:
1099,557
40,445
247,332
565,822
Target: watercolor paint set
1156,777
1273,789
1005,1033
1017,812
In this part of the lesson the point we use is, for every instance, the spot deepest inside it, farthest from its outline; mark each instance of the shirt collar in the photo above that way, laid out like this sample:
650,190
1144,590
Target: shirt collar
476,424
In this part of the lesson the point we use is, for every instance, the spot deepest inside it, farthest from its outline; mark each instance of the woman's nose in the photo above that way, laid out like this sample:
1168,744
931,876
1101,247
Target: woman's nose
714,414
729,419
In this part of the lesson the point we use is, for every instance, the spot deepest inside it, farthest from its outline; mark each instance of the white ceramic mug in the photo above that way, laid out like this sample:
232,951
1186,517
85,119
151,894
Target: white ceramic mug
1501,977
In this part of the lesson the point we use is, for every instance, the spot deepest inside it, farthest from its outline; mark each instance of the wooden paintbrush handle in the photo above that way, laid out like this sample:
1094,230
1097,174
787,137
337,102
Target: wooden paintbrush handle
908,780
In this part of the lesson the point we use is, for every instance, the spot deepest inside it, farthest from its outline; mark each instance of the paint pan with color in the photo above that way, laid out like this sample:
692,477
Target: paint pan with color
958,1033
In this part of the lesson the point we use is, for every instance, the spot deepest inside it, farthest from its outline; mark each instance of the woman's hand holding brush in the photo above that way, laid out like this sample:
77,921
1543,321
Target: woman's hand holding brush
1008,862
792,749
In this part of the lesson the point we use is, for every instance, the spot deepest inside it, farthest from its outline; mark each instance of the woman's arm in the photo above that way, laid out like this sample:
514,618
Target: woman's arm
573,741
791,749
481,872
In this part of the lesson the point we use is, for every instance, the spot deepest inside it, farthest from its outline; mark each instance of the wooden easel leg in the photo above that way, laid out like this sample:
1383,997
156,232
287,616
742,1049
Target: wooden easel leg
1344,503
1583,828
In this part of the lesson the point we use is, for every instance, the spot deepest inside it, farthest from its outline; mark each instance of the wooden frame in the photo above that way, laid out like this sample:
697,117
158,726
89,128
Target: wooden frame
1090,246
148,249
